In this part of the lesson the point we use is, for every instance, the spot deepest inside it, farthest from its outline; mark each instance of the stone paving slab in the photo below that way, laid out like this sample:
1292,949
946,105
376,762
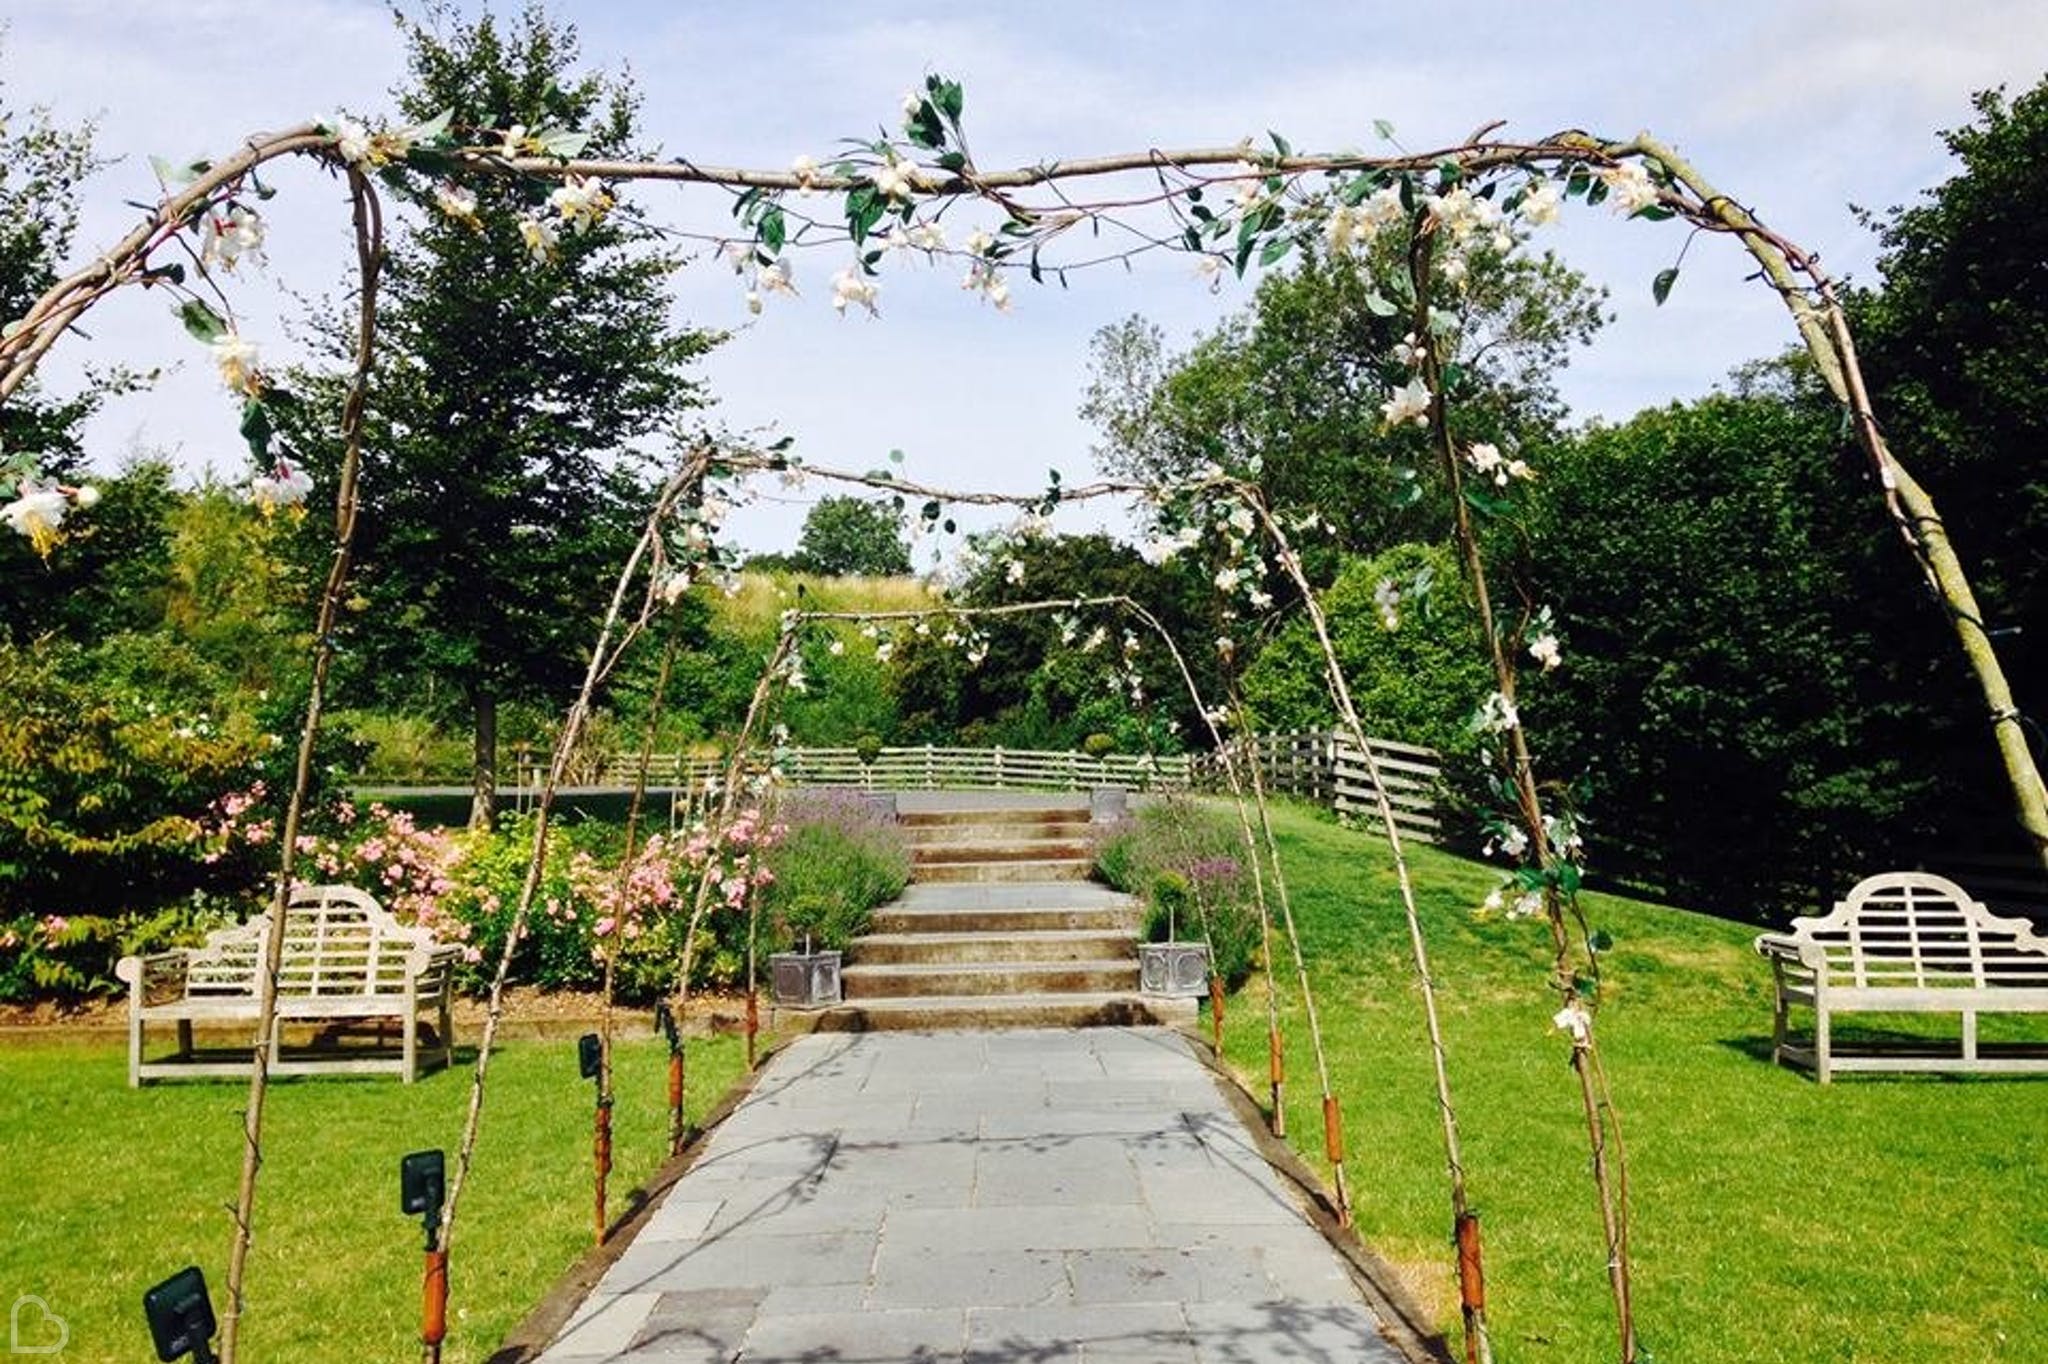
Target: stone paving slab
1031,1197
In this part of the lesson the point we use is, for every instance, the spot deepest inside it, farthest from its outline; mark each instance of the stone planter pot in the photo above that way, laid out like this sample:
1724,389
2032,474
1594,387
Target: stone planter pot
804,980
1175,970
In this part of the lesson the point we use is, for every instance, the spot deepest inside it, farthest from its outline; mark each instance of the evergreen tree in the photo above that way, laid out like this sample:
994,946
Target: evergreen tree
503,479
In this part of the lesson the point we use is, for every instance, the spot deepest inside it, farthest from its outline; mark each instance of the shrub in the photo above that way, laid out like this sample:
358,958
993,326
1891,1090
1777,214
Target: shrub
408,748
1099,745
108,760
841,857
1185,859
69,958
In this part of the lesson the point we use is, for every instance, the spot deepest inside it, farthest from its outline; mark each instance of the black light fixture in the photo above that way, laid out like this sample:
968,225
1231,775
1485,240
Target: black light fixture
590,1060
180,1316
422,1188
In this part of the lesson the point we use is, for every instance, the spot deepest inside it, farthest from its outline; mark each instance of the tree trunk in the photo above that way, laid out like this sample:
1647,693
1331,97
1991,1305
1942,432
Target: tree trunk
483,771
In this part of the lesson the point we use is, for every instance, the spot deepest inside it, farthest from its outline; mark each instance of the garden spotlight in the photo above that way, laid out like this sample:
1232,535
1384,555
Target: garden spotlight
422,1188
590,1060
181,1317
665,1022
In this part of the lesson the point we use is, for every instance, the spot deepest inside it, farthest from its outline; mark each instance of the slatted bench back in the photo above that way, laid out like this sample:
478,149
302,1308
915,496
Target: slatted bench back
338,941
1916,930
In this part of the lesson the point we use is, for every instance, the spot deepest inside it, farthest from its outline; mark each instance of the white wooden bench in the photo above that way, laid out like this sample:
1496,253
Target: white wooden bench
345,960
1907,942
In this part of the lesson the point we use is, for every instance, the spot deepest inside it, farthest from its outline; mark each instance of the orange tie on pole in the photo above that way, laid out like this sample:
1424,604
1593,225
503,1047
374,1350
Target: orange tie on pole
1277,1065
434,1304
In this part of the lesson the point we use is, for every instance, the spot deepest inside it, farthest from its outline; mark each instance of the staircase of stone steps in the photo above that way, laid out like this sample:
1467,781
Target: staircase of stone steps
1000,927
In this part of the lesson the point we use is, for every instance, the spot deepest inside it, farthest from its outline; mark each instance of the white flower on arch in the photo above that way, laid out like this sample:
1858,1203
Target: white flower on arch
37,512
1408,403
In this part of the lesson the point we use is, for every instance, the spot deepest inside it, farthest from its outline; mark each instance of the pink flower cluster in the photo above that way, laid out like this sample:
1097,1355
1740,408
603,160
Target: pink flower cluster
384,851
731,856
231,821
625,897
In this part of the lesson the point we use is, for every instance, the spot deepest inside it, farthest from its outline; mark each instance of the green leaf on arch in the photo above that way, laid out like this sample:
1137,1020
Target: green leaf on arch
203,322
256,428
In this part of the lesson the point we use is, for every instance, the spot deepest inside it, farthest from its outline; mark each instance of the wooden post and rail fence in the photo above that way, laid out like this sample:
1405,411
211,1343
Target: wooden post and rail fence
1317,766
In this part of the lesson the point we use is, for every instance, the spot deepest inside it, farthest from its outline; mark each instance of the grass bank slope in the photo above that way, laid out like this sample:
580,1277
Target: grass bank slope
1894,1221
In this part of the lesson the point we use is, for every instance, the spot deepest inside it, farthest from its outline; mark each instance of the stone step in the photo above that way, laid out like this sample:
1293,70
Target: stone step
1109,1009
895,949
1006,919
1000,831
1063,869
991,850
862,982
1051,814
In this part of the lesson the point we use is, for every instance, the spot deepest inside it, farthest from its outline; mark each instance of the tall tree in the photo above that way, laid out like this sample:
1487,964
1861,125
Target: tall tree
517,379
852,535
41,165
1955,342
1291,388
1733,679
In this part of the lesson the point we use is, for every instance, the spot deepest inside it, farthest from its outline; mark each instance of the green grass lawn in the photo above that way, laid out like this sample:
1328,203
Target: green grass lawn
110,1189
1888,1220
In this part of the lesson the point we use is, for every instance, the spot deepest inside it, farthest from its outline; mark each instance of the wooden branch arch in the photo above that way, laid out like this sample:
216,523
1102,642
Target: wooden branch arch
1180,176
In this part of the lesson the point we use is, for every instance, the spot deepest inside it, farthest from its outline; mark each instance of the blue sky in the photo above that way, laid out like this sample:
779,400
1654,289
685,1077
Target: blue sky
1798,108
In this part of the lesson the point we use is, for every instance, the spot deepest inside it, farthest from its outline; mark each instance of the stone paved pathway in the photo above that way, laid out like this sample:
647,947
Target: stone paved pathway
1029,1197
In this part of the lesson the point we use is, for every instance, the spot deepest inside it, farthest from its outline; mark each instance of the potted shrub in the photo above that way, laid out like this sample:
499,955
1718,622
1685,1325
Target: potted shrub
867,747
807,979
1170,967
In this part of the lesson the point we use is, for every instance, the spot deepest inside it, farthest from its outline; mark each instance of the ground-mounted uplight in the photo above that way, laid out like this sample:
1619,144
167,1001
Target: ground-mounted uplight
422,1189
590,1063
180,1314
665,1024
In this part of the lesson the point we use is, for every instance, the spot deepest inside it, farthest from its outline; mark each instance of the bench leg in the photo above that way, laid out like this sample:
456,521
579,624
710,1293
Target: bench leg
1823,1065
447,1034
412,1044
1780,1018
134,1047
1970,1035
184,1039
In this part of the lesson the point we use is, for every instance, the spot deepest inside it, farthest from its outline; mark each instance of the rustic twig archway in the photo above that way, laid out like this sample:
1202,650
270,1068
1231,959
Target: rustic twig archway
904,186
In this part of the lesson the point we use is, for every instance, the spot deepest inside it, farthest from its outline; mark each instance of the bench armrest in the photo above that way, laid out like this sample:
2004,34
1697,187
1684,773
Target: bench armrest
433,969
157,974
1798,955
